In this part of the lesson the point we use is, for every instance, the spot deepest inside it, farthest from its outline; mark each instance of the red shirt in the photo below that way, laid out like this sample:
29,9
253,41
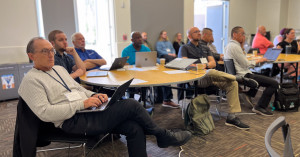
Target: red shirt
261,42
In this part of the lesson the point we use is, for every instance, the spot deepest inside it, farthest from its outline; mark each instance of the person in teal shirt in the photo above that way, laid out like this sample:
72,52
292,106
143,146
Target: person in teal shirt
130,51
136,46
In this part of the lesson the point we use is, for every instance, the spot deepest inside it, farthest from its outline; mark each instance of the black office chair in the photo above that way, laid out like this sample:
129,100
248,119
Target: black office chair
288,149
31,132
229,66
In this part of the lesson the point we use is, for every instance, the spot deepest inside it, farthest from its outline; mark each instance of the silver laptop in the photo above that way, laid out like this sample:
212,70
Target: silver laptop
272,54
117,64
145,59
180,63
120,91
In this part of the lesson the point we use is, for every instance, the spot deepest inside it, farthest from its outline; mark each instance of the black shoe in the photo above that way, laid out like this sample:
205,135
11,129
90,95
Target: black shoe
237,123
261,111
247,82
173,138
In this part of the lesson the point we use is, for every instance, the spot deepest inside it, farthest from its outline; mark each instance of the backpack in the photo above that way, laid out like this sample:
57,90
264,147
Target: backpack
287,98
198,119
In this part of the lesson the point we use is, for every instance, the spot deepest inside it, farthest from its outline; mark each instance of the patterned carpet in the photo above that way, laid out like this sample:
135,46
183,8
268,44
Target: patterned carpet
224,141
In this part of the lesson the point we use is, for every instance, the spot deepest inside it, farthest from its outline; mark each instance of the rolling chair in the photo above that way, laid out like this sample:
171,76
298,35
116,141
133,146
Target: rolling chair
31,132
288,149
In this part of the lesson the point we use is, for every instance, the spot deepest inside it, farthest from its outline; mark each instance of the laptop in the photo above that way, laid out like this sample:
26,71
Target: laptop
97,74
272,54
145,59
115,97
180,63
117,64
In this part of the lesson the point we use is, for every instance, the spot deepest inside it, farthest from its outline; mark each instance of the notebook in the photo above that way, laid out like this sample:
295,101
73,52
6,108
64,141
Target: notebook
97,74
145,59
272,54
120,91
117,64
180,63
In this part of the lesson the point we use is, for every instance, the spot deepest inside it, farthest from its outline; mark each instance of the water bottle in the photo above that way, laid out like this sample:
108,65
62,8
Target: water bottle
288,49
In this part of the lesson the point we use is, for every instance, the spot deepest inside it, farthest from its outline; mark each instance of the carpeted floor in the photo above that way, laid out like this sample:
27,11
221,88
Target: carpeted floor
224,141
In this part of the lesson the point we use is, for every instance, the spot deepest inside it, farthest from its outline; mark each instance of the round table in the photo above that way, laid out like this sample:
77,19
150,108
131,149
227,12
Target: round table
152,77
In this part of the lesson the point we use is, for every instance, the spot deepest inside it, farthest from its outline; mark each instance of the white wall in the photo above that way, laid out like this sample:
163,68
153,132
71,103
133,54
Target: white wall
188,17
242,13
122,24
268,18
293,14
18,25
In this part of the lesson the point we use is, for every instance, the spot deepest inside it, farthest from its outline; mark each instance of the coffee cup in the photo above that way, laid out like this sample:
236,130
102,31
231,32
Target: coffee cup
162,61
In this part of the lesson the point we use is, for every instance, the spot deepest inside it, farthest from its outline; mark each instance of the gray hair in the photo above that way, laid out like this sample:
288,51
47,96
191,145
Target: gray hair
30,45
73,37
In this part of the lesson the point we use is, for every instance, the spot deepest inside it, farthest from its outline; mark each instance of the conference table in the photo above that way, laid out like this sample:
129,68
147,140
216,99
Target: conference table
143,77
282,59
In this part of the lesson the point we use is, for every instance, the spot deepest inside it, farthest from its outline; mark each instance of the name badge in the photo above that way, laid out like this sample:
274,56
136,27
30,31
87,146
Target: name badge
73,96
168,50
203,60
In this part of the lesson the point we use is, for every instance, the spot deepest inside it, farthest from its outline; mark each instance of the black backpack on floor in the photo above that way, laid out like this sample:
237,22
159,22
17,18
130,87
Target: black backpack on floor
288,97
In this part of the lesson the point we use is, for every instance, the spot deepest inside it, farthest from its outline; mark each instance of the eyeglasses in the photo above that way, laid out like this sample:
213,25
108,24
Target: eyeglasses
242,33
48,51
197,31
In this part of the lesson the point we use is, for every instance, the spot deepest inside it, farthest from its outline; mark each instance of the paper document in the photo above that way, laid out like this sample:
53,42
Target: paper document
175,72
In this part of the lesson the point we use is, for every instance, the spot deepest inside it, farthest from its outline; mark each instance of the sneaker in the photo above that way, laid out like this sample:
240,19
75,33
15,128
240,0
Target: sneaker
173,138
150,110
248,100
247,82
261,111
236,122
170,104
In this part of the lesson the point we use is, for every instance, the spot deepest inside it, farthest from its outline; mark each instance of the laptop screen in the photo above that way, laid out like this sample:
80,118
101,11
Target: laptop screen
272,54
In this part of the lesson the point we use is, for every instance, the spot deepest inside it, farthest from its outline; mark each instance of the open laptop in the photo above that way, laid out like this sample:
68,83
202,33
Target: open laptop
117,64
120,91
272,54
145,59
180,63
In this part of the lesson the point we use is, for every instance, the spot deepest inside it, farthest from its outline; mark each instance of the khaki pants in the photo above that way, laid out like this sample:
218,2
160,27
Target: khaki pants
225,82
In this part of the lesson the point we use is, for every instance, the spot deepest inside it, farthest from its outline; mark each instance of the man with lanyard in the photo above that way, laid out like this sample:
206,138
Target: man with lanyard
91,58
76,67
55,97
193,49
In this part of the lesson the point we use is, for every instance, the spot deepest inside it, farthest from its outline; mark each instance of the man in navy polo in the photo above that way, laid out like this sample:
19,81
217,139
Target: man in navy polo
91,58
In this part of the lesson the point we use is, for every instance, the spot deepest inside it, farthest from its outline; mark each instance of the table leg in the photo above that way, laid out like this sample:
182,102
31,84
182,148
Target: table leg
297,72
281,72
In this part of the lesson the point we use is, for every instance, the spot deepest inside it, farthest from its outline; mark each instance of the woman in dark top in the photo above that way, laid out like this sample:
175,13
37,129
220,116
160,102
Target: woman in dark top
177,42
289,39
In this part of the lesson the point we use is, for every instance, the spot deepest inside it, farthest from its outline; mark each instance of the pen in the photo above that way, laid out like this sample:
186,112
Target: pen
100,99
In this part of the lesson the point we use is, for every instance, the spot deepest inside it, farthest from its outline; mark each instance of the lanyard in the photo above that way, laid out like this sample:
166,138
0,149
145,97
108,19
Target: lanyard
63,84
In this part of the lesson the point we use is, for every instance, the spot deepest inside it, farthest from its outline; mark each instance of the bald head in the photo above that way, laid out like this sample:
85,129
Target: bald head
261,30
136,39
194,34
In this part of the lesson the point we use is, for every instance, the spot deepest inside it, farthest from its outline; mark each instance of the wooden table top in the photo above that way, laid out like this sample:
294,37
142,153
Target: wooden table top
282,58
152,77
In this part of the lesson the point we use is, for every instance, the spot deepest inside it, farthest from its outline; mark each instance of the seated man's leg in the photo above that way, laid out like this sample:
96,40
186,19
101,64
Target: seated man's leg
226,82
95,123
168,96
135,136
271,87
